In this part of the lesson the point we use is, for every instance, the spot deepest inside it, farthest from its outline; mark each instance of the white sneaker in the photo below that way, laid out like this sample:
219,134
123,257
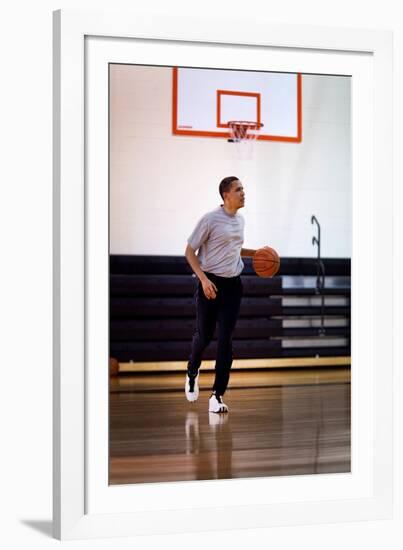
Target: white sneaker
192,388
216,404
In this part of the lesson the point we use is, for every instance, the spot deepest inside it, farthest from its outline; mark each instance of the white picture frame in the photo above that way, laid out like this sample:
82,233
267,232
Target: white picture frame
84,505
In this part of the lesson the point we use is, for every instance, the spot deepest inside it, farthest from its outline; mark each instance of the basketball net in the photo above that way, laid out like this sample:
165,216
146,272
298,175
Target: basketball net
244,133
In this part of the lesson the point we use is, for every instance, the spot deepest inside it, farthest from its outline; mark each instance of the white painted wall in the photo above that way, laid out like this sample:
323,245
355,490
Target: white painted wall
162,184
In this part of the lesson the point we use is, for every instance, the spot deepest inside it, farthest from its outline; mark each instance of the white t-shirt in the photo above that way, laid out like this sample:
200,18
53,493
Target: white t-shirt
219,237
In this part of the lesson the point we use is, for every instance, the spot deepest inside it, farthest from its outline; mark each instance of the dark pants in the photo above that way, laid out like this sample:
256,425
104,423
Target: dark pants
223,310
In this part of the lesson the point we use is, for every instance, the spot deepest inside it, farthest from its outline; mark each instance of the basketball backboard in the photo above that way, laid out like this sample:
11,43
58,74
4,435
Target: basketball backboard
204,100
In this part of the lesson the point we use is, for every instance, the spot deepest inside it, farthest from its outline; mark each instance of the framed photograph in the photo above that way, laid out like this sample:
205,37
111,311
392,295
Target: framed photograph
150,115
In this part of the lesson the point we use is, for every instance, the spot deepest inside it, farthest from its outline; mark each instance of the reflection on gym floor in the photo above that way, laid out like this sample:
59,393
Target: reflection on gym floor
211,453
281,424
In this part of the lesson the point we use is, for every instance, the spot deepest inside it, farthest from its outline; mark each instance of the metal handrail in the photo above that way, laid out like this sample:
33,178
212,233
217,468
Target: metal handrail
320,277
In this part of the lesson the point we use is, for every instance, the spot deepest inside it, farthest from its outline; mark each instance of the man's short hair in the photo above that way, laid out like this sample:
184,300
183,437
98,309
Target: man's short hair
225,185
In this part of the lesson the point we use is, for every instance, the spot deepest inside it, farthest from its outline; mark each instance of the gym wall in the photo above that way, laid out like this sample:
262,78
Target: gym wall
161,184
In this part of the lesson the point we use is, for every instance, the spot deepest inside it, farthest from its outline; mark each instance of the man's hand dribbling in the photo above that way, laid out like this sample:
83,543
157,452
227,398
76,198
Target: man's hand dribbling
209,289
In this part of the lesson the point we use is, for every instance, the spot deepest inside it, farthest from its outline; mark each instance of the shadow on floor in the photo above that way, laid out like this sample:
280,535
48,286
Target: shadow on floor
42,526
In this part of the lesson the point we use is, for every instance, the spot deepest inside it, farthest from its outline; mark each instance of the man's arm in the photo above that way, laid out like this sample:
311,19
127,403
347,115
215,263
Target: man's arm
209,287
247,252
194,263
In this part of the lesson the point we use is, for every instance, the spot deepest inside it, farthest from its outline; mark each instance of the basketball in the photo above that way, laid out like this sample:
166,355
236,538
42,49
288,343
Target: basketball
266,262
113,367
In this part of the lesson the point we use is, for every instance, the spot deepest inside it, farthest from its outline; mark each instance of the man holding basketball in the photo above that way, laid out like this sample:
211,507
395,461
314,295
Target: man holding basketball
218,237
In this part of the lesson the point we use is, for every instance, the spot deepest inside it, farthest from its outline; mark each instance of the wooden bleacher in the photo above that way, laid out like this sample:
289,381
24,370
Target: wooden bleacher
152,315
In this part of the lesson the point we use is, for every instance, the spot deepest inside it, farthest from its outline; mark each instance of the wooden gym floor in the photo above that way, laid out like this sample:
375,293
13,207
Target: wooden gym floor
281,422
